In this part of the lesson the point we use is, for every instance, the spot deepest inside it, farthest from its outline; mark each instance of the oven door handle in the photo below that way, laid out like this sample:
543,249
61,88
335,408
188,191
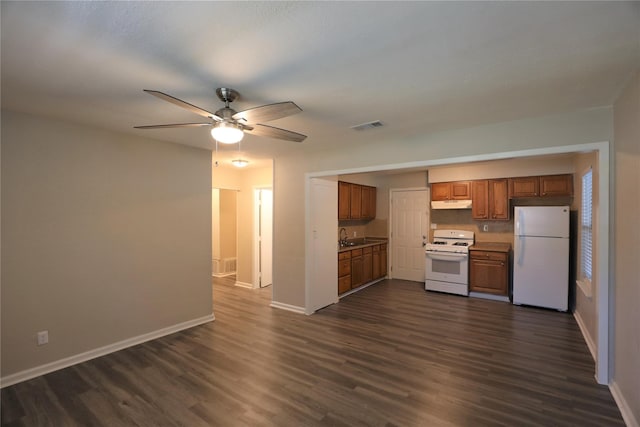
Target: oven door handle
444,256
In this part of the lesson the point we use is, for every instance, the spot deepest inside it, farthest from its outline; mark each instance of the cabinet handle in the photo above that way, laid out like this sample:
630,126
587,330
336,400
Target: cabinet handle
502,264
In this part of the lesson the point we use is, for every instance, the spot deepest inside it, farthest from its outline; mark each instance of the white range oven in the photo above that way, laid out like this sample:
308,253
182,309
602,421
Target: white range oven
447,262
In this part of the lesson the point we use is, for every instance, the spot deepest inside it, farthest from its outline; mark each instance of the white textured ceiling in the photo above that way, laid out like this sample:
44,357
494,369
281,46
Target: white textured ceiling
416,66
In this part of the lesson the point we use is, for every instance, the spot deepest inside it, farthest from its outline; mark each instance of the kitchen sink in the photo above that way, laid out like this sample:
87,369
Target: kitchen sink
360,241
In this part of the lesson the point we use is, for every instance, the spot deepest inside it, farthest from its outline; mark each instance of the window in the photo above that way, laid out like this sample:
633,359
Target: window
586,231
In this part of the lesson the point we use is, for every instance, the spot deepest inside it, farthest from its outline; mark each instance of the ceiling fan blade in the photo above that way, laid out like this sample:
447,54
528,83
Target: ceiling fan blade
266,113
175,125
183,104
272,132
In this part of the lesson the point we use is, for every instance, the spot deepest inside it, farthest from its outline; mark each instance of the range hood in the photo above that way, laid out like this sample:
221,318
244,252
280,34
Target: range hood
451,204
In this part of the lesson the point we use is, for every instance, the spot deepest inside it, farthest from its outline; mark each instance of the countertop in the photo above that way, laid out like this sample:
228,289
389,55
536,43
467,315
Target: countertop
369,241
491,247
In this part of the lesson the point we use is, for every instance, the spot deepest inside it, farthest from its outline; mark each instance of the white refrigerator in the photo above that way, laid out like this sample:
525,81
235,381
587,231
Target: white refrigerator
541,256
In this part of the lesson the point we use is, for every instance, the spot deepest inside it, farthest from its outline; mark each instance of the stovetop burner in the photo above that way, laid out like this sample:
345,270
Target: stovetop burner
455,241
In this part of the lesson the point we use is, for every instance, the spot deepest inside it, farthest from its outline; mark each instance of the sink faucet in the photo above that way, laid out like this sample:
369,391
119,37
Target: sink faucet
342,240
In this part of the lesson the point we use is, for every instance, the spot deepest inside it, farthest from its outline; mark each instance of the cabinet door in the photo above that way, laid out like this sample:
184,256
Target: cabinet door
489,273
375,263
365,204
528,186
367,265
440,191
460,190
344,284
356,201
356,272
344,267
480,199
344,200
368,202
498,199
383,260
556,185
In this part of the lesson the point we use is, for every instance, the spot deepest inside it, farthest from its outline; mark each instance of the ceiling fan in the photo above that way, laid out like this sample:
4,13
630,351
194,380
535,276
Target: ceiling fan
229,126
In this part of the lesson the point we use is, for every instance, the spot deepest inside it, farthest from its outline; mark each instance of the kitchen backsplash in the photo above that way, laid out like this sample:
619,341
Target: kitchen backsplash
373,228
460,219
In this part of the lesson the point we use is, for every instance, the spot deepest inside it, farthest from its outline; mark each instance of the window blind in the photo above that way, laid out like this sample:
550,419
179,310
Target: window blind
586,227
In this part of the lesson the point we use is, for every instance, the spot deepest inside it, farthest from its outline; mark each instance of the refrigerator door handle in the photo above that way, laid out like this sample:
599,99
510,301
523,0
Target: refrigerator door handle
520,223
520,249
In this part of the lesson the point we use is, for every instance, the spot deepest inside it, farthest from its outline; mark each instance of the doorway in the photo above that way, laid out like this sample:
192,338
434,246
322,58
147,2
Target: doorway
263,237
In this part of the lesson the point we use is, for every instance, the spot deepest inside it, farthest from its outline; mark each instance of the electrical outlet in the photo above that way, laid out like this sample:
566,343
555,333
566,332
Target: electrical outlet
485,227
43,337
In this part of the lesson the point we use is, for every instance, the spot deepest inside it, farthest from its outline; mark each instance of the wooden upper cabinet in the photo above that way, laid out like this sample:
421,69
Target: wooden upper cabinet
356,201
480,199
541,186
440,191
490,199
528,186
556,185
459,190
498,199
368,205
344,200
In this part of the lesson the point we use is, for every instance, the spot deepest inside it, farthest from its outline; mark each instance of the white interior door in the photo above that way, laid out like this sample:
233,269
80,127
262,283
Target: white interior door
321,260
409,230
266,237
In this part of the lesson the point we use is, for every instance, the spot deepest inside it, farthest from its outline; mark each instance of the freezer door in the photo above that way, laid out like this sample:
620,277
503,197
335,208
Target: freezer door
546,221
541,272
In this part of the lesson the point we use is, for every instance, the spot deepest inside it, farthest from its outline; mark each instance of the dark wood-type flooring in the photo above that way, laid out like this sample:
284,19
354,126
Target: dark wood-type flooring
390,355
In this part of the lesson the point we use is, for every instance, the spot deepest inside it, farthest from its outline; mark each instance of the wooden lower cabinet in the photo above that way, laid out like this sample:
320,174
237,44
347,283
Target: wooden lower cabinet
357,273
358,267
376,261
489,272
367,264
344,272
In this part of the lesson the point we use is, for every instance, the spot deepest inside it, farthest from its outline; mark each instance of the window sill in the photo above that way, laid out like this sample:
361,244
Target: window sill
585,287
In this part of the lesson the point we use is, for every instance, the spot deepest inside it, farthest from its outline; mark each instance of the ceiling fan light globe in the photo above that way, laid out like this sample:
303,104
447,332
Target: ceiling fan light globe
240,163
227,133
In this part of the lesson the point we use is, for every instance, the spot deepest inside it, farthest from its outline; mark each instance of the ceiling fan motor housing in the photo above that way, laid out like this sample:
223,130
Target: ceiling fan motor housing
227,95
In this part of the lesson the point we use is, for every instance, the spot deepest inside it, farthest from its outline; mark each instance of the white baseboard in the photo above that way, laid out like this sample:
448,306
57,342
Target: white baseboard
585,334
628,417
288,307
101,351
243,284
223,274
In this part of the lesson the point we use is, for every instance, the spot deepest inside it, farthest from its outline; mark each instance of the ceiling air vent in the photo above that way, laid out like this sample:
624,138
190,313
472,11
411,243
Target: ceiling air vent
367,126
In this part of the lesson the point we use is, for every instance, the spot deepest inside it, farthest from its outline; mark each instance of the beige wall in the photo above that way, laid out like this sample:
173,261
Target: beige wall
626,276
105,237
586,300
549,165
